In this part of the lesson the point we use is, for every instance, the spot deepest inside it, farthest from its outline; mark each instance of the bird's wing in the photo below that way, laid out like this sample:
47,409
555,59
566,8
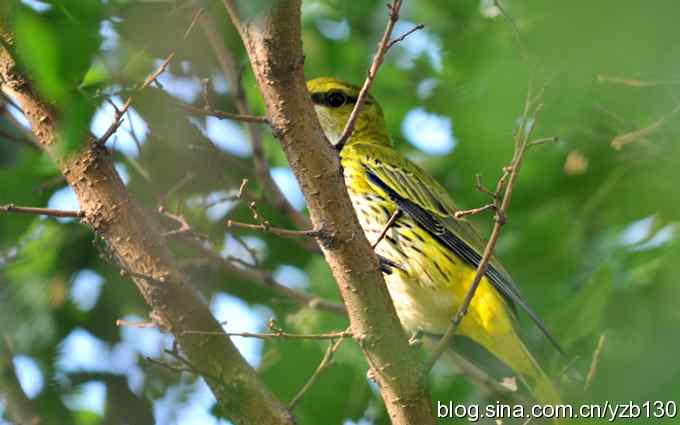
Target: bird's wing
423,199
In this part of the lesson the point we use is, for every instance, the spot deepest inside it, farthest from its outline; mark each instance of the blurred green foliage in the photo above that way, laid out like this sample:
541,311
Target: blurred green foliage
592,231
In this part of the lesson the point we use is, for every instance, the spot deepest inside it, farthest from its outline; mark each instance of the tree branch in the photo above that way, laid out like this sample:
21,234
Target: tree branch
474,211
118,115
266,280
266,227
120,112
11,208
228,66
384,45
138,246
597,354
500,206
395,215
302,237
284,335
325,362
210,112
273,41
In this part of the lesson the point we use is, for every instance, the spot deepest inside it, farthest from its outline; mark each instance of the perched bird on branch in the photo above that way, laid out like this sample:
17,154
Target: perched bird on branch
428,256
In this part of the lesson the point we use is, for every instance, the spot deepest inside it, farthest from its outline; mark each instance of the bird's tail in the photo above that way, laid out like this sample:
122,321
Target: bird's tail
541,386
509,348
513,353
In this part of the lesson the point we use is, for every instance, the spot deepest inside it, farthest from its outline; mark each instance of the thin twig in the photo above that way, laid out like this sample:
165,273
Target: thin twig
378,59
286,233
597,354
265,226
264,279
210,112
16,139
404,35
250,250
184,226
275,335
127,272
635,82
242,188
11,208
543,141
515,30
624,139
262,168
194,20
474,211
119,113
510,174
220,200
395,215
325,362
133,133
205,83
168,366
138,325
569,366
189,366
479,186
176,188
240,194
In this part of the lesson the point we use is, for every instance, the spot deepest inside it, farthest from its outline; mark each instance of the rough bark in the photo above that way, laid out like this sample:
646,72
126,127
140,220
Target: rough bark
136,243
273,42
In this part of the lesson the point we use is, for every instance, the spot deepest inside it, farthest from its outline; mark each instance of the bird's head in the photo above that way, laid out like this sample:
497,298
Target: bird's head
334,101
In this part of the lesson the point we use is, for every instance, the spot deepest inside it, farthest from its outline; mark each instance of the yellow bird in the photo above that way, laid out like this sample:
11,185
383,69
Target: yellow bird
430,256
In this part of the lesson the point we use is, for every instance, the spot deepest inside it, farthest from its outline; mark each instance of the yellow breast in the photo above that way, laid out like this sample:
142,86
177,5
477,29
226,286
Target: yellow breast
433,282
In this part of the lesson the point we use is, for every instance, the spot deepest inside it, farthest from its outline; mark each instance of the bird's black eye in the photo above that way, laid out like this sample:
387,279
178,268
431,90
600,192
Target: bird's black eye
335,99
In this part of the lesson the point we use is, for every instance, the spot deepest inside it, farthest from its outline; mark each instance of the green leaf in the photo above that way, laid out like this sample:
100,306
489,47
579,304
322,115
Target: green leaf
96,76
39,48
57,46
34,261
74,127
582,314
28,171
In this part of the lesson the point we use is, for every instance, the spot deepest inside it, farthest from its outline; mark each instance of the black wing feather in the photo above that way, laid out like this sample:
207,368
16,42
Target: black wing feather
436,229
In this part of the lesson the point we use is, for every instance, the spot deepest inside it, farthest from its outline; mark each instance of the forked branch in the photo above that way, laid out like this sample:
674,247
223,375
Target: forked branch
501,201
384,45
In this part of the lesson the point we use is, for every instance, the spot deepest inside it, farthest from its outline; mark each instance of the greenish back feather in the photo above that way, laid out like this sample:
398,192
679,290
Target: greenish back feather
413,183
